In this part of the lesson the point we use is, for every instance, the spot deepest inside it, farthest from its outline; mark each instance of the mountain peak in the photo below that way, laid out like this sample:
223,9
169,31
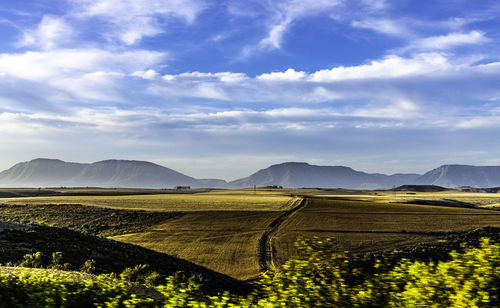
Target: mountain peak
455,175
290,164
125,161
45,160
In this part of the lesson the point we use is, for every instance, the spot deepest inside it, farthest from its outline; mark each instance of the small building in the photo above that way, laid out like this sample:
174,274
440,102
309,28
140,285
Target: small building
274,187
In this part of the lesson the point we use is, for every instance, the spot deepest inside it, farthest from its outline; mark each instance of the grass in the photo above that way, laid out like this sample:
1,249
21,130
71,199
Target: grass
371,225
225,242
169,202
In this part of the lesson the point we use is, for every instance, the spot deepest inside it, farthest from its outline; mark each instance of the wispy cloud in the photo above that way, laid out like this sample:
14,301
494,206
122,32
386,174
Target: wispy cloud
282,15
131,20
383,25
51,32
71,74
451,40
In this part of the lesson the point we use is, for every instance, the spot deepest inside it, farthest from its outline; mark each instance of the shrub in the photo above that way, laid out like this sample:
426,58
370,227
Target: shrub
141,274
57,262
32,260
88,266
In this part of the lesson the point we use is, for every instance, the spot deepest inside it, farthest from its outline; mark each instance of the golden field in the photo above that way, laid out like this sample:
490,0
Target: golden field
170,202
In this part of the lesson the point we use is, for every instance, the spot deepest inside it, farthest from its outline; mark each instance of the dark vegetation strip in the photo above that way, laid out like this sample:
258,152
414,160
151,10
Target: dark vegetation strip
443,202
430,233
85,219
435,213
265,242
90,191
438,250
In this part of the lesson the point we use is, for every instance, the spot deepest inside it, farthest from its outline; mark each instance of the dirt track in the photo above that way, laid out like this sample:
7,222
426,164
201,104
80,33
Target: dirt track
265,242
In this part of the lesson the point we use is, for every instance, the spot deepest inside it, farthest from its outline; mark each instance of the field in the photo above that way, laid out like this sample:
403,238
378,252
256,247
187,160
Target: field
232,231
226,242
362,225
451,197
213,201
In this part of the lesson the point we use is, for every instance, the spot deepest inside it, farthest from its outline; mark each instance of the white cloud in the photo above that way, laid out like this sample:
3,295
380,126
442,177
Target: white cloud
134,19
74,74
51,32
70,62
489,121
377,81
399,109
227,77
288,75
389,67
449,41
149,74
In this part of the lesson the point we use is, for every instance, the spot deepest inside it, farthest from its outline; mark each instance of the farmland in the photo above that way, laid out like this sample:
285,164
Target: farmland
226,242
223,229
368,225
214,201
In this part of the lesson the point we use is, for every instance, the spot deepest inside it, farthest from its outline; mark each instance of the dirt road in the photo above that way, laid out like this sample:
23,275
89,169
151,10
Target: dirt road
266,261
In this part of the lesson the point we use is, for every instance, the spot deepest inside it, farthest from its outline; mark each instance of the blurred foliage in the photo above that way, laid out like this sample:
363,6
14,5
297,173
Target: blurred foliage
318,278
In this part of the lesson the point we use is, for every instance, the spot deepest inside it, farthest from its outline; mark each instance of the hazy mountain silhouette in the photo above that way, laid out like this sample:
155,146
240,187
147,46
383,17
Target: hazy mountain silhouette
41,172
294,174
107,173
141,174
462,175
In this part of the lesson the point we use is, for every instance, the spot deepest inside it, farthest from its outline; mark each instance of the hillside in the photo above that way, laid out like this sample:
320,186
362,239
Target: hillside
298,175
462,175
107,173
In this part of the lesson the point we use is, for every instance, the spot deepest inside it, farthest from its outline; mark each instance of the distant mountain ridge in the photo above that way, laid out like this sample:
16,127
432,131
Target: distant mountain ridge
43,172
106,173
295,174
462,175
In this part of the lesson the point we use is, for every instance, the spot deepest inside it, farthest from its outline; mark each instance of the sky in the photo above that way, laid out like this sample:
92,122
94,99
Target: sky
222,88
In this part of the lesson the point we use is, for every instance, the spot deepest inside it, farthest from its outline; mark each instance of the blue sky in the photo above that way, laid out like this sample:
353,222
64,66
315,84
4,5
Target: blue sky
223,88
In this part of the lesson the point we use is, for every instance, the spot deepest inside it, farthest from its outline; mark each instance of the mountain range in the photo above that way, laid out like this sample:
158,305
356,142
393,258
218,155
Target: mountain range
141,174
